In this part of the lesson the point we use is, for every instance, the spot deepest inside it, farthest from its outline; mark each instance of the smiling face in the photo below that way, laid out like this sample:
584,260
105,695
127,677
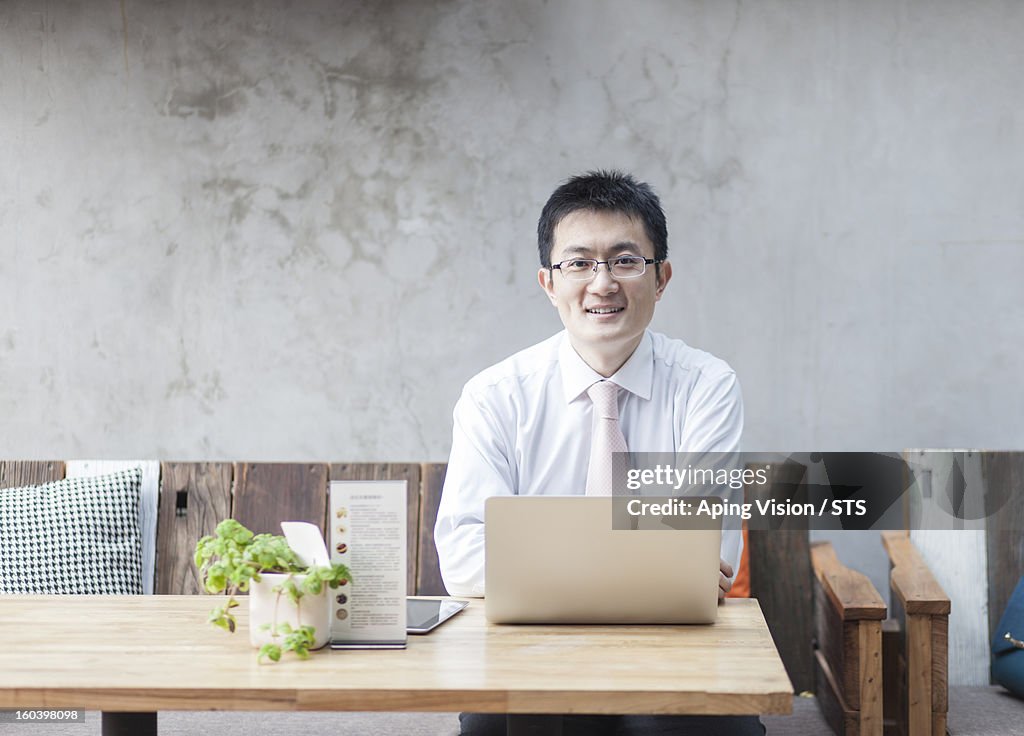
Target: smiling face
605,317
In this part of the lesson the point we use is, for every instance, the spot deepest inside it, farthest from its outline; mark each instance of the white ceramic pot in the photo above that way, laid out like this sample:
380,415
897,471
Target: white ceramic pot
313,610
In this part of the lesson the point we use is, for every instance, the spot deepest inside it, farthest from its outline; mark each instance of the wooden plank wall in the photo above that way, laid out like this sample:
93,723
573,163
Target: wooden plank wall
428,581
265,494
16,473
196,496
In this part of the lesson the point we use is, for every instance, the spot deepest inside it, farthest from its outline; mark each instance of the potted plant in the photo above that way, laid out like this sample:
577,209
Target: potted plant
288,605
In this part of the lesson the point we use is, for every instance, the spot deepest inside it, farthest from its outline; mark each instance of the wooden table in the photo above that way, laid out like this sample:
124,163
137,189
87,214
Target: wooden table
131,656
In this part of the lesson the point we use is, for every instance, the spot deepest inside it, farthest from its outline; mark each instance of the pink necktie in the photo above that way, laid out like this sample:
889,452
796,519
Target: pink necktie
606,437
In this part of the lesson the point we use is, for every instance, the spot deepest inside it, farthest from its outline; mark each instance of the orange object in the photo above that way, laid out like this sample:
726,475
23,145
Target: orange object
741,583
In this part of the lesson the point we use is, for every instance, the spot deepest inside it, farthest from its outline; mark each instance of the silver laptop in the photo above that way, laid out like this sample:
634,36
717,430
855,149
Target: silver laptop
557,560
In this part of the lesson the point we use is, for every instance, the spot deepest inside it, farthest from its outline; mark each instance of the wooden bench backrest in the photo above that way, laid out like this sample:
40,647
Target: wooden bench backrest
195,496
14,473
918,674
848,614
428,569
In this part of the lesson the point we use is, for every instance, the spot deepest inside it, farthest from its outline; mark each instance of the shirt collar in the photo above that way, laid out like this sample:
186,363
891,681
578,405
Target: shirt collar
636,375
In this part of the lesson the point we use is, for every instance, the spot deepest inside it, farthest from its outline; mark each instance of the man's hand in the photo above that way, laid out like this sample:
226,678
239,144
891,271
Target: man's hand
724,583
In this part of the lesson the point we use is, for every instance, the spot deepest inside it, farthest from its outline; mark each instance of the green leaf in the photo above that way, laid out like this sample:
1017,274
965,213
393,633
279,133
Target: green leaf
271,652
312,585
221,618
289,587
234,557
300,640
215,584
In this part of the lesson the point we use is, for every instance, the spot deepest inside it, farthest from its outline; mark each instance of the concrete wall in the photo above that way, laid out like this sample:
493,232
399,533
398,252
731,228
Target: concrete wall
292,231
288,231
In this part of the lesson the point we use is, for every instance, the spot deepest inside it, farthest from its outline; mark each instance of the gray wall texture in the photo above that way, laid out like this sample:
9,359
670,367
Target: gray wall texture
289,231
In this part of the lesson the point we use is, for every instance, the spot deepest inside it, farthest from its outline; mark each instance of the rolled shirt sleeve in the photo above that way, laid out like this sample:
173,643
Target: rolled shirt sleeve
714,424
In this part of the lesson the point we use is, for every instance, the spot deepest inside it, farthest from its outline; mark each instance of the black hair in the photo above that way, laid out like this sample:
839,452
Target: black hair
603,191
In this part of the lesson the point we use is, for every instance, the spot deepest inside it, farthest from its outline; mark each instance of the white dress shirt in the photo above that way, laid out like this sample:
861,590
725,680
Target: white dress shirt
523,426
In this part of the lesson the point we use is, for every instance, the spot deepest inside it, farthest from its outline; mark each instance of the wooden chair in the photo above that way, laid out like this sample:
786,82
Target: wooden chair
848,614
917,668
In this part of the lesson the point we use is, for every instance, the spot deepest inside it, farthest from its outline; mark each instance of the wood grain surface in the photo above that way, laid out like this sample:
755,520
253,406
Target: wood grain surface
911,580
194,498
919,671
148,653
919,674
851,592
940,666
428,579
869,667
266,494
16,473
840,717
848,614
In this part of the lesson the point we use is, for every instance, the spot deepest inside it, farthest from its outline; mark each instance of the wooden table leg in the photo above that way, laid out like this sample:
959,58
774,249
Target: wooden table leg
129,724
530,725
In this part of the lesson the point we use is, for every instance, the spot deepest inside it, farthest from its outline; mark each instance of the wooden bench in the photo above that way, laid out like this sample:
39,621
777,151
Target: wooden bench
919,656
919,699
848,653
195,496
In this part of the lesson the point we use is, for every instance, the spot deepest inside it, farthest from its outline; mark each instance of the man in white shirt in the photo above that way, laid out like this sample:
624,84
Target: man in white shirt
524,426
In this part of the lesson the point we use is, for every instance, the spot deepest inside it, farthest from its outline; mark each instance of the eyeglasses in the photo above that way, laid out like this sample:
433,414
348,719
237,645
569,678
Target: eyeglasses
622,267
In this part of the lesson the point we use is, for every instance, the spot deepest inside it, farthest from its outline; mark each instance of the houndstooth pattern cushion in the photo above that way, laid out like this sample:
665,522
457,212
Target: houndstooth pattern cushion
79,535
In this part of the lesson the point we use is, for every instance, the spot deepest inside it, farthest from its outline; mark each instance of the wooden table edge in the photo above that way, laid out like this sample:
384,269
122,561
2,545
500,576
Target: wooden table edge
385,701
